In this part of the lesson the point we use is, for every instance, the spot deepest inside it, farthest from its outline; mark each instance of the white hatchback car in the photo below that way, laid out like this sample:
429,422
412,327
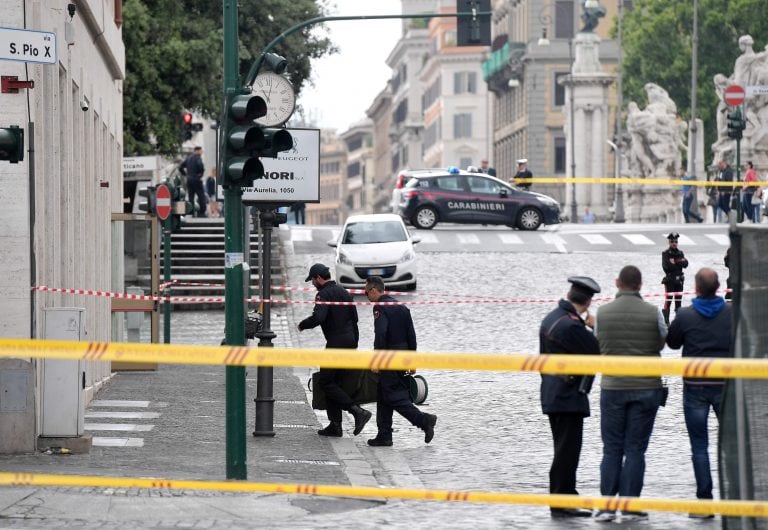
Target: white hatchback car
375,245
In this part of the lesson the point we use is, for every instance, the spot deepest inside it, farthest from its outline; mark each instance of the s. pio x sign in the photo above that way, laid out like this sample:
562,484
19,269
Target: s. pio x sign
28,46
294,176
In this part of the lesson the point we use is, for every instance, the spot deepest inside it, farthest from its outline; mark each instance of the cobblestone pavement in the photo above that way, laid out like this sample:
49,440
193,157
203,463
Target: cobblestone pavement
490,433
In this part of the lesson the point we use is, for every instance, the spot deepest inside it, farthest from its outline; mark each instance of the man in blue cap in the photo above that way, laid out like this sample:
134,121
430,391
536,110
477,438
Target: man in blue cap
564,397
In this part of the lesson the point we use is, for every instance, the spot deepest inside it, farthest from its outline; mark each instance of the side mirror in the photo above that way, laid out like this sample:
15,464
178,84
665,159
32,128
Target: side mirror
503,192
331,243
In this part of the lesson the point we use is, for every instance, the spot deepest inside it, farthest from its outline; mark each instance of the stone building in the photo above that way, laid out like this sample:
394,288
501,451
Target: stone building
58,201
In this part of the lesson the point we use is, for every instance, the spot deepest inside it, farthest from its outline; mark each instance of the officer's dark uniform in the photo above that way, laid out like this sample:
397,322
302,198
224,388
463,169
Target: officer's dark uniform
339,325
393,327
563,397
673,262
522,174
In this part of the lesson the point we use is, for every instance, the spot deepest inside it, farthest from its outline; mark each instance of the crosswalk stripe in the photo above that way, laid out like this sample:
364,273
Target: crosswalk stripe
511,239
107,441
119,403
117,427
301,234
430,239
335,235
638,239
552,239
721,239
468,239
596,239
685,241
123,415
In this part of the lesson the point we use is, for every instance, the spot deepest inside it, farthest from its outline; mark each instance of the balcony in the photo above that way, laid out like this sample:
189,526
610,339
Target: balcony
504,64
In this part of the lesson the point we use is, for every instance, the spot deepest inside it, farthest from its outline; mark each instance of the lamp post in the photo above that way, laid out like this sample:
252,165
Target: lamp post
618,213
546,19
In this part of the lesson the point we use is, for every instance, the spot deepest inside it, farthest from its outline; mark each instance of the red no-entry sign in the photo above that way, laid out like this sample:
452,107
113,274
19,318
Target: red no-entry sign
734,95
163,202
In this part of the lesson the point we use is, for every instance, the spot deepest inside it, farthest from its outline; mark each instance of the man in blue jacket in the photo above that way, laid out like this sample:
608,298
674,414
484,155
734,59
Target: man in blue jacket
703,330
564,397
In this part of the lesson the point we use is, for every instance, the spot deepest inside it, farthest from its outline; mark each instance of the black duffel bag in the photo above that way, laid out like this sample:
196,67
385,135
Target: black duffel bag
360,385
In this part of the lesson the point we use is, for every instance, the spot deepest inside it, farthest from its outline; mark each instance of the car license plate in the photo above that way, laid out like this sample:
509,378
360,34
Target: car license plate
375,272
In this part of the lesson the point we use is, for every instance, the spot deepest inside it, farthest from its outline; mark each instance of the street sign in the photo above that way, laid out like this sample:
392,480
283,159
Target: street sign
734,95
163,202
28,46
139,163
757,90
293,175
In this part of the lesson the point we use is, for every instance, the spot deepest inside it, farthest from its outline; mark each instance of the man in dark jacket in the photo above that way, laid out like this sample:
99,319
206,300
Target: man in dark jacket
723,203
564,397
339,325
394,330
194,169
703,330
673,262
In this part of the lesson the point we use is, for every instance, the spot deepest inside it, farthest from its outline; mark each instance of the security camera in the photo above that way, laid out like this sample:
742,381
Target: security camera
71,8
84,104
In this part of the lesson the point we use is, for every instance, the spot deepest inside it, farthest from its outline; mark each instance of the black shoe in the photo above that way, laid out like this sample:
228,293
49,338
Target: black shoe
361,418
558,513
380,442
429,427
333,429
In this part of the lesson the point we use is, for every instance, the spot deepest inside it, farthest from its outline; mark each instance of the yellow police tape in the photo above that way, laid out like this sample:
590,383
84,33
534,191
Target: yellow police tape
733,508
385,359
629,180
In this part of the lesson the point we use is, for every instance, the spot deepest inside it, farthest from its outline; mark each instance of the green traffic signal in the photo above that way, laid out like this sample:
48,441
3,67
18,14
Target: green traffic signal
12,144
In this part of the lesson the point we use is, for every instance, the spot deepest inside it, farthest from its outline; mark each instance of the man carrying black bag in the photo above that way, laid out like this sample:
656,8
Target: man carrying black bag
339,325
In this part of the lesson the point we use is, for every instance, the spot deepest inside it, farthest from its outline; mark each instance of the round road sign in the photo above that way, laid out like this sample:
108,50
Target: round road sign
163,202
734,95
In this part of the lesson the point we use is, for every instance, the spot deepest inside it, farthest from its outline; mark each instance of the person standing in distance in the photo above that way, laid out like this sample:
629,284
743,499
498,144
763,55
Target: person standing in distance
703,330
723,203
194,169
673,262
689,194
522,173
487,169
564,397
628,404
339,325
393,327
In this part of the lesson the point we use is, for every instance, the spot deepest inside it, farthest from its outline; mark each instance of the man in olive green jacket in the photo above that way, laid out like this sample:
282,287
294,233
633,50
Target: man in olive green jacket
627,326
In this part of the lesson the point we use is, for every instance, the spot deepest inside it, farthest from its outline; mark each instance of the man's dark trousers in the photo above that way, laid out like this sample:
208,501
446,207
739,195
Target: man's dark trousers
335,398
567,434
394,395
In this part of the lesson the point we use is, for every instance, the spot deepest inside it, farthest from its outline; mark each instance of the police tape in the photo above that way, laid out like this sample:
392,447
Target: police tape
472,299
630,180
703,367
728,507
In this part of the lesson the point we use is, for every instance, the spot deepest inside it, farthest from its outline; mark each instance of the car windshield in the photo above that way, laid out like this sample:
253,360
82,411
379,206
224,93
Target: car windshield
366,233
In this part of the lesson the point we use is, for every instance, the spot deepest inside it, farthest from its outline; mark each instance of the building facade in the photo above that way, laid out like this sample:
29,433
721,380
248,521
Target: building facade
380,113
331,210
58,201
358,140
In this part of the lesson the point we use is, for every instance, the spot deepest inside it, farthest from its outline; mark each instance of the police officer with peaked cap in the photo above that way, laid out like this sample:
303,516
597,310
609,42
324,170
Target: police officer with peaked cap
673,261
564,397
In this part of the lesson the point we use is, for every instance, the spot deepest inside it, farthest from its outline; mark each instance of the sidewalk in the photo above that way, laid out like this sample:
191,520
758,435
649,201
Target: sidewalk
186,409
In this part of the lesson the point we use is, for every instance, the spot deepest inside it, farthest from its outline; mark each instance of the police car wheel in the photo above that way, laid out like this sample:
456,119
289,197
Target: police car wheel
529,219
425,218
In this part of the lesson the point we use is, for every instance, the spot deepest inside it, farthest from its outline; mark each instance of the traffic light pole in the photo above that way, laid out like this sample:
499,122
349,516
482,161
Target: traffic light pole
736,192
234,310
265,402
167,278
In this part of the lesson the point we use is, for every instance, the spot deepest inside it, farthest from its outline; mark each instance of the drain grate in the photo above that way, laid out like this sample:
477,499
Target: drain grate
293,426
313,462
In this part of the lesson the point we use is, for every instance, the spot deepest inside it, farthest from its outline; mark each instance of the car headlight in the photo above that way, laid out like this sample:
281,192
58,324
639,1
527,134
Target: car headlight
343,259
548,201
408,256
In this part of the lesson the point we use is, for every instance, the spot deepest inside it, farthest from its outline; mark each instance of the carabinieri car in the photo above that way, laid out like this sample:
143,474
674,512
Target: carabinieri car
454,196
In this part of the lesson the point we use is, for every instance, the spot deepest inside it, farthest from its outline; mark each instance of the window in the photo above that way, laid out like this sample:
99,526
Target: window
564,19
560,155
432,134
462,125
432,94
483,185
400,112
353,169
560,89
464,82
354,144
452,182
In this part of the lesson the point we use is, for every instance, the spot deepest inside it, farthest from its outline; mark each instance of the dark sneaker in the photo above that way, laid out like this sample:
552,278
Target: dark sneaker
558,513
333,429
633,516
379,442
605,516
361,418
429,427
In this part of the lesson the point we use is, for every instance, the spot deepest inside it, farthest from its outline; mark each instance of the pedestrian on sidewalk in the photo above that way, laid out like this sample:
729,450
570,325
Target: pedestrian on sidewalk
689,194
564,397
194,169
339,325
628,326
673,262
703,330
394,330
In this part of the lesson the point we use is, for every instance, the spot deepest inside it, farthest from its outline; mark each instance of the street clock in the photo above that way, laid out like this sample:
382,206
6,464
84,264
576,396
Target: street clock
277,92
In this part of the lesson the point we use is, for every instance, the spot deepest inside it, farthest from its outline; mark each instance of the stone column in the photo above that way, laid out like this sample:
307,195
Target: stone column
590,114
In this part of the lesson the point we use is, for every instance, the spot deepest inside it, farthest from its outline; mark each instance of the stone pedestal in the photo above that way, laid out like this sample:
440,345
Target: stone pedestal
586,103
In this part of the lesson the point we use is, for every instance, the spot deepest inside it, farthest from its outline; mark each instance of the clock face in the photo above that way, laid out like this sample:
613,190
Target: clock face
277,92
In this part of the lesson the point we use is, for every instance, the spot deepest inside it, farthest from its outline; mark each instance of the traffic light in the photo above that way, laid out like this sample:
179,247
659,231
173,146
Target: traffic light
12,144
243,140
180,206
736,124
150,204
475,30
186,125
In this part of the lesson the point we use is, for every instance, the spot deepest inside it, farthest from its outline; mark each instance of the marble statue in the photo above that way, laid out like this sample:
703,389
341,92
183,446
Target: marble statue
591,17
